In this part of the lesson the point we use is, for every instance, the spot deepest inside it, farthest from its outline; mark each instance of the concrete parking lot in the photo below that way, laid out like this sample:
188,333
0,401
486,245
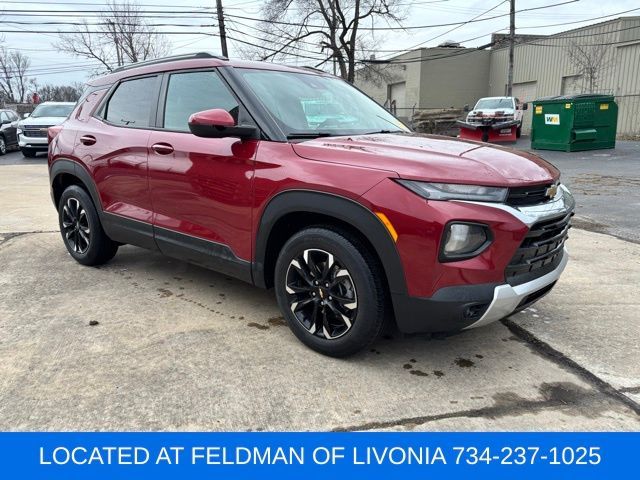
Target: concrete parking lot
150,343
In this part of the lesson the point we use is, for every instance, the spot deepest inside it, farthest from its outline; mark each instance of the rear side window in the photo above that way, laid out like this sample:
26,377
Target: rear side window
131,103
4,116
192,92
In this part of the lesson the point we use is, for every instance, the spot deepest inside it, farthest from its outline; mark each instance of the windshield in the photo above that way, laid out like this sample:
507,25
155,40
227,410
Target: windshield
312,105
492,103
52,111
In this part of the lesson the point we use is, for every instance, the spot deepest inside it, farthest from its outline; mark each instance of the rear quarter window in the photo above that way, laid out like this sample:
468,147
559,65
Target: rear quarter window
131,103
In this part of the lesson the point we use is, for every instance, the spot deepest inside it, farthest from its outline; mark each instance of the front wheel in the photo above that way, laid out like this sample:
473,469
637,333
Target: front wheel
3,145
329,288
81,230
518,132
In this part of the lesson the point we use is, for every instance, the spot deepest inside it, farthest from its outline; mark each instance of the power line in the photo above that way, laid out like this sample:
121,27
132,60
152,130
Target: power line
242,17
411,27
455,28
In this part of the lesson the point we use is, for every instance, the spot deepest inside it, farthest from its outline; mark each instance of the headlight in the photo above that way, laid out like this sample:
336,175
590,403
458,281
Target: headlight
463,240
19,130
452,191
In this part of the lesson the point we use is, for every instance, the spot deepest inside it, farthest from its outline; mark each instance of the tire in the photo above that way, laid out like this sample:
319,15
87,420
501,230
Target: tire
349,315
81,230
518,132
3,146
28,152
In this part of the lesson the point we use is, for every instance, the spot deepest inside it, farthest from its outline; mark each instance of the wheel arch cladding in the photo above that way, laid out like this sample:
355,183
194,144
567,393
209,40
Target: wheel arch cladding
64,173
311,208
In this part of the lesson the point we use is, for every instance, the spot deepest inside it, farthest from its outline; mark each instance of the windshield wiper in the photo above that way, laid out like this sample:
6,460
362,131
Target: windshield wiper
293,136
382,131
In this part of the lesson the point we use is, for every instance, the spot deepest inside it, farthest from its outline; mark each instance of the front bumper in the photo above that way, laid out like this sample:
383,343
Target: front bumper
462,307
33,142
508,299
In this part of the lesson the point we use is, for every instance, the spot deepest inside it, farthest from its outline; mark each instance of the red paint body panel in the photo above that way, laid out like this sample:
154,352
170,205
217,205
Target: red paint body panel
117,162
433,158
494,136
419,224
204,188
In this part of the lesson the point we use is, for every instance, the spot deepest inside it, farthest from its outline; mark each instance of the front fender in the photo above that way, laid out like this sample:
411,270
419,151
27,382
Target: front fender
341,208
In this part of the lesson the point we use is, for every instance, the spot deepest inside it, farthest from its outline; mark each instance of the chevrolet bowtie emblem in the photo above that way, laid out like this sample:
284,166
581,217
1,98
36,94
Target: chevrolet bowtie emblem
551,191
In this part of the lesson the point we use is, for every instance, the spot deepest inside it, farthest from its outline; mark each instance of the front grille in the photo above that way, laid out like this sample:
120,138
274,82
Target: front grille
540,252
529,195
37,131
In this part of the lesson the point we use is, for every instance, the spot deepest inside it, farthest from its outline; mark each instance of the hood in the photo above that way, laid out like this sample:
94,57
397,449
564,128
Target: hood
432,158
492,111
43,121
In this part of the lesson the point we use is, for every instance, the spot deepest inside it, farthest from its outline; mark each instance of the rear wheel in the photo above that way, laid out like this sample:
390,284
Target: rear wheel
329,288
81,230
28,152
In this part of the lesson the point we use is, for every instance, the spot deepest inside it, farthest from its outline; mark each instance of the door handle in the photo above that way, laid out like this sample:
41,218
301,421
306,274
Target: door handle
162,148
87,139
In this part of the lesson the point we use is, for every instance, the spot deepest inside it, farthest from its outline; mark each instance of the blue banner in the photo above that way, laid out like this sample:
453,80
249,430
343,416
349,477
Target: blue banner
546,456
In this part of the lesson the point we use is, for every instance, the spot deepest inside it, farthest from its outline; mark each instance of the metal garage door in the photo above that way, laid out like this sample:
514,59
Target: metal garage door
527,92
628,92
572,85
397,93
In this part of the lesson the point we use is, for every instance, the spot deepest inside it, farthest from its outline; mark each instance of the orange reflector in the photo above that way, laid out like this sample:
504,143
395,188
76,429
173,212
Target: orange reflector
392,231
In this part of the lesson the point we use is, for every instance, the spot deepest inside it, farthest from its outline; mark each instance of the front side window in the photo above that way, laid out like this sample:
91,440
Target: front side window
192,92
131,103
313,105
43,110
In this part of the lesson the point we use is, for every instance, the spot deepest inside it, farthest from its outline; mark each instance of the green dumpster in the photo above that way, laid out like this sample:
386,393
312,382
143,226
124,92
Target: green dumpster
571,123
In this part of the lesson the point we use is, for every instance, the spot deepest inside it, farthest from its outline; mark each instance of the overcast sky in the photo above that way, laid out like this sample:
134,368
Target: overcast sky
46,60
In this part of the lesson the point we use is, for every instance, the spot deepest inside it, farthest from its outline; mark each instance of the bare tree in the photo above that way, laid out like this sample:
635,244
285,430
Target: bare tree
121,36
590,62
59,93
14,81
323,27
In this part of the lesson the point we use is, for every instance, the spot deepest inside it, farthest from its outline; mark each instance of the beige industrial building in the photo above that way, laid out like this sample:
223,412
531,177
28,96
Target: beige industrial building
431,78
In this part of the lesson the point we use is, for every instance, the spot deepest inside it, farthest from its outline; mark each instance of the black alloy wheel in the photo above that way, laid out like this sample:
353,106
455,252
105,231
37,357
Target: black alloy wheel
321,294
75,226
330,289
81,229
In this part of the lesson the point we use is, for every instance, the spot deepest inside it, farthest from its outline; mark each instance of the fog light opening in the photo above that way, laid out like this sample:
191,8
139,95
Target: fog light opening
462,240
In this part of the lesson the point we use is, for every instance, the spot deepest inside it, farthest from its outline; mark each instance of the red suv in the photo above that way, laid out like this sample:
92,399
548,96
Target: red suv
293,179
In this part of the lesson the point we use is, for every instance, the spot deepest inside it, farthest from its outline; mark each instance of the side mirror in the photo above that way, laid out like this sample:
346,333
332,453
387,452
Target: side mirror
25,115
466,108
218,123
525,106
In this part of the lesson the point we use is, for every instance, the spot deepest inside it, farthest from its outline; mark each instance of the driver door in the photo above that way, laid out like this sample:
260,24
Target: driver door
201,188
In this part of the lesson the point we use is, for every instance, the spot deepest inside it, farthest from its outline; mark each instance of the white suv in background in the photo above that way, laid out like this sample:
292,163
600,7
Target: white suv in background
32,130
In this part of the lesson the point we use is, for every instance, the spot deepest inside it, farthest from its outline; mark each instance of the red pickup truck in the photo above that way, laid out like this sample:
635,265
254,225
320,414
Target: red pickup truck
292,179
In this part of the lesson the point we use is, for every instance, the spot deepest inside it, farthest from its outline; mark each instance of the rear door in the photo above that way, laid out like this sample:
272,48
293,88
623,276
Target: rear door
201,188
113,145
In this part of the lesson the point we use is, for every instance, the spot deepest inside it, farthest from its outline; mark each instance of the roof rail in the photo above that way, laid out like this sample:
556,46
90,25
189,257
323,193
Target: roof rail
312,68
173,58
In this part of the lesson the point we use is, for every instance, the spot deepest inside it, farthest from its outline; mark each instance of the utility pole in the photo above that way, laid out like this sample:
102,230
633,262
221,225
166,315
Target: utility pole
512,41
223,35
